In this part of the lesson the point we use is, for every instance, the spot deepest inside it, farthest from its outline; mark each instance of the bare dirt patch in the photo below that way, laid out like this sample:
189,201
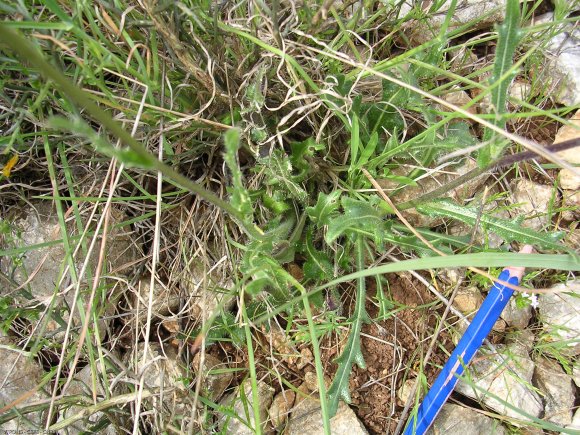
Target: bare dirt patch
393,349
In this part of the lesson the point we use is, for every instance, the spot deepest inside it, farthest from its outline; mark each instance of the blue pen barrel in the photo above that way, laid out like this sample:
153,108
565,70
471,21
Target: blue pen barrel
467,347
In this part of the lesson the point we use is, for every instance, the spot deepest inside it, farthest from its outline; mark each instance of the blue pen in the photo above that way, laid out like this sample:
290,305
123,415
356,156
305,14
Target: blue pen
470,342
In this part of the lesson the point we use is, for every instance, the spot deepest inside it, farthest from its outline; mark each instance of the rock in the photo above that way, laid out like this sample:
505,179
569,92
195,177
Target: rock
166,300
37,229
569,180
533,202
571,199
35,225
479,13
281,343
19,375
507,376
575,421
245,410
557,390
163,368
215,379
451,275
206,290
576,373
463,60
4,338
280,408
164,373
303,393
306,418
405,390
459,420
562,65
311,381
499,326
305,359
81,385
468,300
459,98
515,317
520,90
560,315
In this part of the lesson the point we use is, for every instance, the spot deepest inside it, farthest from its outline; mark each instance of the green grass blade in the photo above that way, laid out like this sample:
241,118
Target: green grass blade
482,259
32,55
509,36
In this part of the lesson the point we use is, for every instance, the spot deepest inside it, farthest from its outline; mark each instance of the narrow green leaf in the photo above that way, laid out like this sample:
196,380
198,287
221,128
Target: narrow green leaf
318,265
354,139
480,259
123,154
352,351
508,230
35,25
240,199
369,150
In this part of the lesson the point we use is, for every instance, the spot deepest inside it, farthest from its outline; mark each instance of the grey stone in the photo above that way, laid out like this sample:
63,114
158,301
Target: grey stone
520,90
515,317
507,376
38,224
245,409
165,301
459,420
560,315
576,373
4,338
162,367
562,65
37,228
458,98
571,199
533,202
575,425
280,408
479,13
468,300
81,385
311,381
206,290
306,418
557,390
18,376
405,390
568,179
164,373
215,379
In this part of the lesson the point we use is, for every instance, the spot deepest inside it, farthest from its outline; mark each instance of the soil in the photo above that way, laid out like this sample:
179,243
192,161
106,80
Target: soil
393,350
